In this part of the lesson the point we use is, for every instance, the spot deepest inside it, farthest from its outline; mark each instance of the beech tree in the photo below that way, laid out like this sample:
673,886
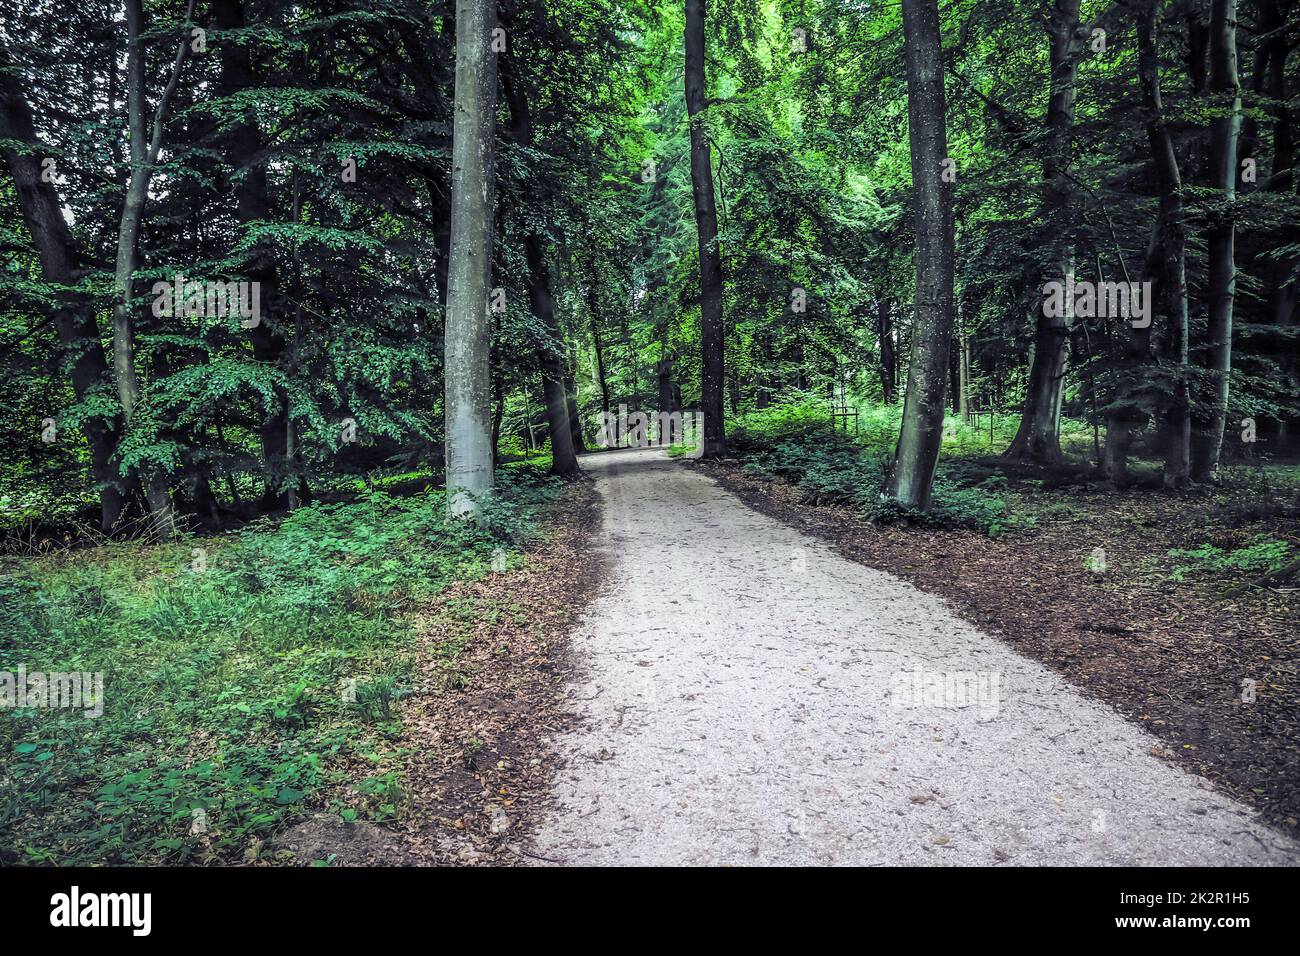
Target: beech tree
1039,437
60,262
912,473
468,332
145,143
706,224
1221,285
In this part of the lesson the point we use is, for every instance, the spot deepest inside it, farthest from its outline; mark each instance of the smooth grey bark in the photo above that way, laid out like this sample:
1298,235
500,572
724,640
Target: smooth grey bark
1039,436
145,145
912,474
706,224
467,363
1221,285
74,316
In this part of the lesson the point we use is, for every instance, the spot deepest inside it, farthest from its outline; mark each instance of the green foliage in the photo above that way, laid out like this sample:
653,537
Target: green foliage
224,664
1263,555
795,443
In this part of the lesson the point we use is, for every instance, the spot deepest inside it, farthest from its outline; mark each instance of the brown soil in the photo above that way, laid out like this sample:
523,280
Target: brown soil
477,768
1170,656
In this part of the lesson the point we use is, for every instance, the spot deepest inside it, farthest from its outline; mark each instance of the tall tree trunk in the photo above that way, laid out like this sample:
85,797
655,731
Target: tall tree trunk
597,345
664,373
550,358
912,474
1284,292
564,461
706,224
1221,287
252,204
145,146
888,361
963,375
74,316
664,382
575,421
1173,249
956,384
467,375
1039,436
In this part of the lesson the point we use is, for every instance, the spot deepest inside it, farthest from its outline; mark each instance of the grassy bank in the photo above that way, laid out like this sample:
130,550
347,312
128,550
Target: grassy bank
248,677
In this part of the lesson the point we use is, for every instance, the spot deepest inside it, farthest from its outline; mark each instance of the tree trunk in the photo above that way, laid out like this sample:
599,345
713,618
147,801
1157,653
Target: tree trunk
74,317
144,153
706,223
599,347
1172,250
956,384
542,303
252,204
1127,413
563,459
912,474
575,420
467,375
664,373
1221,287
963,369
888,361
1284,292
1039,436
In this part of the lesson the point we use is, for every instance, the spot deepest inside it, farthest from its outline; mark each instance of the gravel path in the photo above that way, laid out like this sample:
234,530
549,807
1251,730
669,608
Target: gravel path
750,697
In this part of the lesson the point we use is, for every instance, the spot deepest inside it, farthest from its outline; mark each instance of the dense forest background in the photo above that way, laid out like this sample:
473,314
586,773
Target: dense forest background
461,234
307,147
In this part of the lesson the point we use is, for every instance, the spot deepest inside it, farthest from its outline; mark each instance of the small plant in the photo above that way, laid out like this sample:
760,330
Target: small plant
1263,556
375,697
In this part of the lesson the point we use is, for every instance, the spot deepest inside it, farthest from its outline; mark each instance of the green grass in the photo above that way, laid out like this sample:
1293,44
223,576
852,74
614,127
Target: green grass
226,662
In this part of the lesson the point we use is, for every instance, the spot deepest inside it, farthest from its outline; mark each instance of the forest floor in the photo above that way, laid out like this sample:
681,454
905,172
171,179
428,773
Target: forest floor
745,693
477,766
1162,645
358,681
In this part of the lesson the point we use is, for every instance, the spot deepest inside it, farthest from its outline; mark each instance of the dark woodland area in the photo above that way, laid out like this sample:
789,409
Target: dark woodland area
321,321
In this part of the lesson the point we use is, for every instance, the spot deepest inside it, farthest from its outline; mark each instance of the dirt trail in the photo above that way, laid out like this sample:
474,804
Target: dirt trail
750,697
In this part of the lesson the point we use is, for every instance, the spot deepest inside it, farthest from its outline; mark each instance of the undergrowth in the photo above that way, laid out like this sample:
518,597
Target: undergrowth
796,443
239,673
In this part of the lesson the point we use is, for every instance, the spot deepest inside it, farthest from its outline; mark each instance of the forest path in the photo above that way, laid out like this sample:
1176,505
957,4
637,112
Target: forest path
738,684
